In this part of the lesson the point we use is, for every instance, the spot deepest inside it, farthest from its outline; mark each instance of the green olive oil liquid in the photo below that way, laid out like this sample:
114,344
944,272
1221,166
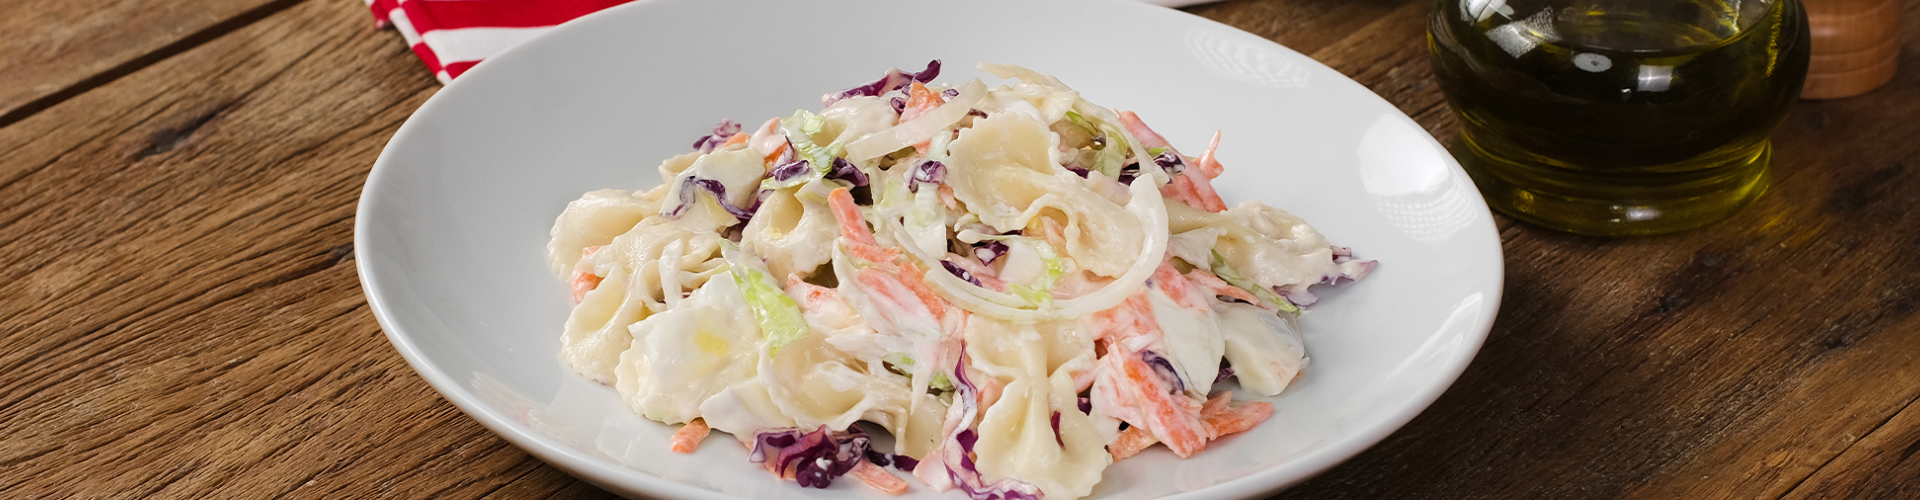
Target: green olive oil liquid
1621,122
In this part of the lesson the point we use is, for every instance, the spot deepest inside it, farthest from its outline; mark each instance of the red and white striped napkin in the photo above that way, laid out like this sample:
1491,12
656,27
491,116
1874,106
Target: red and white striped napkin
453,35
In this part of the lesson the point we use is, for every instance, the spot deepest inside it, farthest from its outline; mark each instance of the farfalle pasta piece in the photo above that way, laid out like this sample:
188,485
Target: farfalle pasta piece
594,220
1005,169
1034,431
793,230
682,356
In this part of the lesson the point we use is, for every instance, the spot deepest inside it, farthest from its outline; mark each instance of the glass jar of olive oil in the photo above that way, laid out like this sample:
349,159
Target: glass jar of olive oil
1618,117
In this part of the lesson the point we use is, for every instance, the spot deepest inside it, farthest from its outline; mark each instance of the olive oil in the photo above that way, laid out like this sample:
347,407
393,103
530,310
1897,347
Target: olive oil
1619,118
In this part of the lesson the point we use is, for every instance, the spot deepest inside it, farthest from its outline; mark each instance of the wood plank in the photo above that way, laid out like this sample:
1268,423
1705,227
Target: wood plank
1883,464
243,361
55,49
1721,363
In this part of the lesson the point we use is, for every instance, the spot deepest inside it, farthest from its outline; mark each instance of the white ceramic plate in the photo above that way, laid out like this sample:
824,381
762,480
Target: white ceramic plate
453,223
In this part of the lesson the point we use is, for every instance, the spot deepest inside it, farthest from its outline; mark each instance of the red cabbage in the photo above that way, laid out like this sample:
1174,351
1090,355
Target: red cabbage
893,80
786,166
1086,405
690,188
989,251
1164,368
1226,372
961,273
1056,429
845,171
929,171
1128,173
725,130
967,478
1171,162
1300,296
812,458
790,170
902,462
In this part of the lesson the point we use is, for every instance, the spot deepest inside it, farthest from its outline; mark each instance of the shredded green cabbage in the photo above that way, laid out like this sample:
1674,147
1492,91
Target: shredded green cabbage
780,318
1112,153
799,130
1232,277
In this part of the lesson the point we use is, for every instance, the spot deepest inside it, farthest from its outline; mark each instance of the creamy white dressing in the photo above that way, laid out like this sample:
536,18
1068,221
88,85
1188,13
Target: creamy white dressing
668,325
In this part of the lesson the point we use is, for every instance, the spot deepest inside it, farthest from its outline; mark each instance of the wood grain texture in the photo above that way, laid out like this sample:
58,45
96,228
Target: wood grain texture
182,318
179,315
54,49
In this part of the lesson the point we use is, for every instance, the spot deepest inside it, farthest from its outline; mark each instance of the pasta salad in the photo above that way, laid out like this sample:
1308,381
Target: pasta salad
1018,285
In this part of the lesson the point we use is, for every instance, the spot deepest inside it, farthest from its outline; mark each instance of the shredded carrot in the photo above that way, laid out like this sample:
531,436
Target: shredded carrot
583,282
1195,191
915,280
736,139
1216,404
989,391
1233,419
920,100
773,158
1174,423
689,436
1177,287
1130,442
1206,162
878,478
852,225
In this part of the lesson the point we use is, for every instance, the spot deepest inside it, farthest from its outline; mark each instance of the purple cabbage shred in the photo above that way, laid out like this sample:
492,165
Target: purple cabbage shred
1086,405
929,171
961,272
968,479
791,170
1226,372
902,462
725,130
812,458
966,476
949,93
787,167
1171,162
688,194
845,171
1056,430
989,251
1128,173
899,104
1345,268
1164,368
893,80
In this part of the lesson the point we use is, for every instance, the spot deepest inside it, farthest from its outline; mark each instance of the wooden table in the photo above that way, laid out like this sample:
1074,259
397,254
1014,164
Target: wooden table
180,316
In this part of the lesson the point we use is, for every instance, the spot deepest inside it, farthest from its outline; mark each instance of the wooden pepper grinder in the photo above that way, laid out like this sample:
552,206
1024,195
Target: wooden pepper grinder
1856,44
